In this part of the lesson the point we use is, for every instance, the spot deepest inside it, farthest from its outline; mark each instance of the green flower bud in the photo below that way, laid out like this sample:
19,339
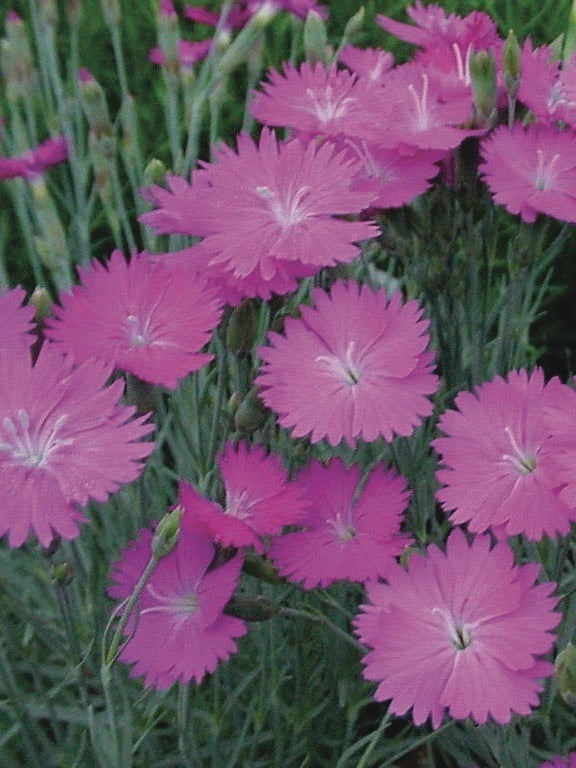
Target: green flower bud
61,574
316,39
155,173
251,413
167,533
353,26
565,665
241,329
41,300
252,607
512,64
483,73
570,35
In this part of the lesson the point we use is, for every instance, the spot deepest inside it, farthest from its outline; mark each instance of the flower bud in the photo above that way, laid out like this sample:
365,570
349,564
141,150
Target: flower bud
167,533
154,173
353,25
252,607
111,12
570,35
61,574
483,73
565,665
41,301
512,65
251,413
94,103
242,328
316,39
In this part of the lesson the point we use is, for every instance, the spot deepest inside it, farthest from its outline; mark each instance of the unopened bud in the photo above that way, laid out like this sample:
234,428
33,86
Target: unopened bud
570,35
251,413
111,11
316,39
41,301
94,103
241,329
154,173
483,73
565,666
167,533
240,49
252,607
61,574
512,64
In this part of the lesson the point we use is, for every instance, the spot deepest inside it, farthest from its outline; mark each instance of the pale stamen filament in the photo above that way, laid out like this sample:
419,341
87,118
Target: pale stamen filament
421,103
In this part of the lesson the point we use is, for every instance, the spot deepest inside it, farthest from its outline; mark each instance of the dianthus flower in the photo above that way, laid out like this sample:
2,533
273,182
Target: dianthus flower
500,469
15,321
318,100
370,63
259,499
462,630
349,534
33,163
434,28
63,440
180,632
189,52
281,202
548,88
139,317
354,366
561,762
532,170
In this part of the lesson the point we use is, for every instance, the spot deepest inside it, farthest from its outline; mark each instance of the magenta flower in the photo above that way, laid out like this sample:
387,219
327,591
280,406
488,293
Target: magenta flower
349,534
281,203
462,630
548,86
189,52
560,415
139,317
259,499
499,458
435,28
370,63
16,322
319,100
532,170
180,632
33,163
561,762
355,366
63,440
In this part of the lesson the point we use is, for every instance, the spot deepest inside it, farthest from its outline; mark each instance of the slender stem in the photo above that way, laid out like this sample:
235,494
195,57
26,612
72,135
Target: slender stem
321,619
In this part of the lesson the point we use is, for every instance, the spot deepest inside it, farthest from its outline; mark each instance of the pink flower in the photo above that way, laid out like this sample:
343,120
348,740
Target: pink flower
561,762
63,440
259,499
16,322
435,28
395,178
188,52
349,534
560,415
319,100
281,203
532,170
180,631
370,63
33,163
462,630
353,366
139,317
499,459
546,87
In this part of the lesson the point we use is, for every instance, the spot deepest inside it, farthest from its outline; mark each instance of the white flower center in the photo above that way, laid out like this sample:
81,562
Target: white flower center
522,461
545,172
288,211
344,367
180,606
28,445
460,633
326,106
138,331
421,104
237,505
343,527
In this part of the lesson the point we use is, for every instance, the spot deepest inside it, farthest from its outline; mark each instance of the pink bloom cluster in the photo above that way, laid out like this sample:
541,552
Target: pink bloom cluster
560,762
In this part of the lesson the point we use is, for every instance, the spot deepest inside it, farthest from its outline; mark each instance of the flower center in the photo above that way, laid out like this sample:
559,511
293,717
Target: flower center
326,106
138,332
463,64
343,527
343,367
288,211
522,461
180,606
545,171
237,505
27,445
421,104
461,636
